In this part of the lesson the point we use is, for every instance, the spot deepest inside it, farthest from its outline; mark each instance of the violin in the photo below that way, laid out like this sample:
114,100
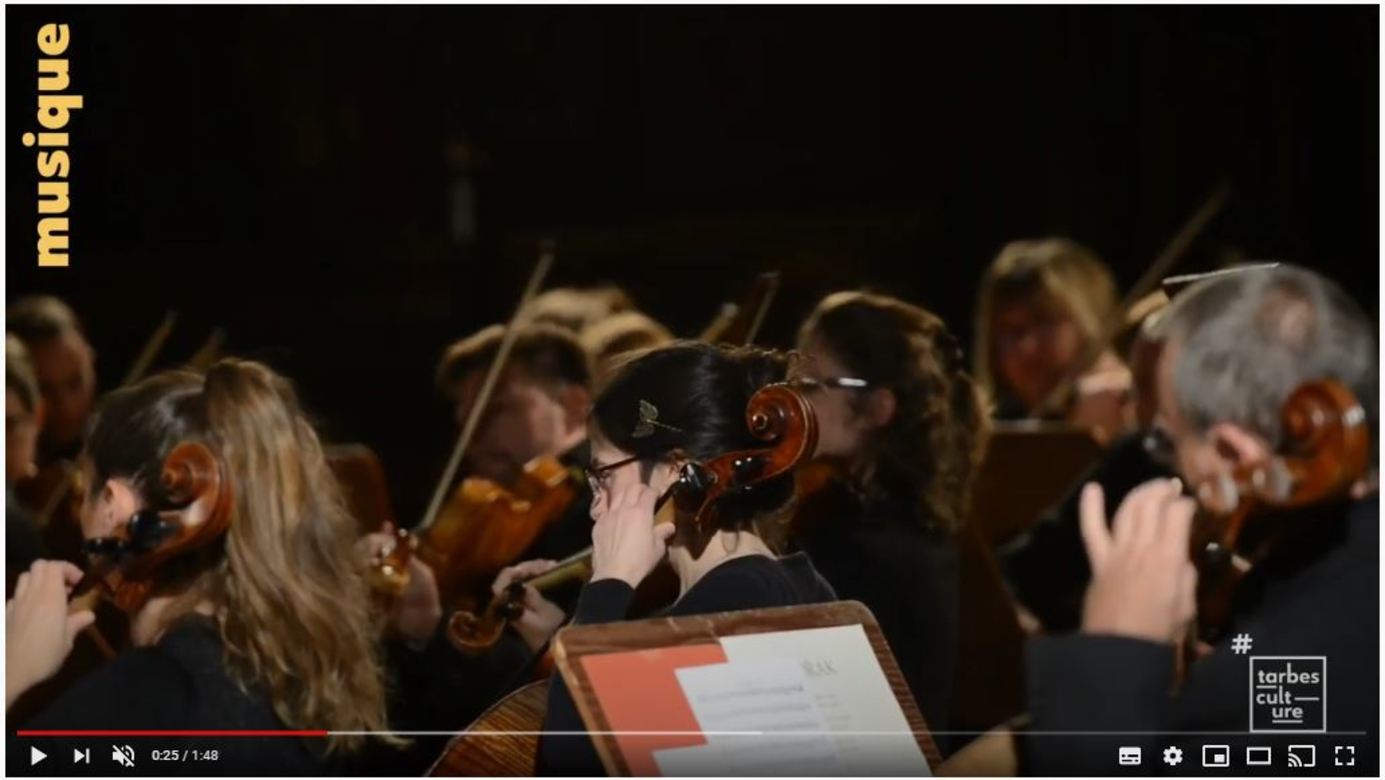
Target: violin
1256,513
1245,519
776,414
466,536
1092,391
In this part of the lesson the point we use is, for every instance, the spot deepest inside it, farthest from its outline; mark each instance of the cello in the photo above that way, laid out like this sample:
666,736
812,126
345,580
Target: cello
1258,513
777,415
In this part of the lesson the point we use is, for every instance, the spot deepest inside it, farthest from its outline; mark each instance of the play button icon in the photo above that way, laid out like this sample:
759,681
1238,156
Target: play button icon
36,755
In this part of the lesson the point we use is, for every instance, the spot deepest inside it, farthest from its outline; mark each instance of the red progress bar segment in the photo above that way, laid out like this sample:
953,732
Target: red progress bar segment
171,733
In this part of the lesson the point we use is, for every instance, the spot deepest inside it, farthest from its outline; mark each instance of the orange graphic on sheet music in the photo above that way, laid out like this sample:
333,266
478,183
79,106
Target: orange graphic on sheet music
638,691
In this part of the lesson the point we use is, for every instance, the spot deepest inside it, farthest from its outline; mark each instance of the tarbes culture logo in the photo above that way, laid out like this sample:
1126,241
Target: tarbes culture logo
54,164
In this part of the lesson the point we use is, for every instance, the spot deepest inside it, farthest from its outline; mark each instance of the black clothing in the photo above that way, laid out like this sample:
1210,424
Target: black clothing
1323,601
180,683
439,688
1047,567
23,544
748,582
883,554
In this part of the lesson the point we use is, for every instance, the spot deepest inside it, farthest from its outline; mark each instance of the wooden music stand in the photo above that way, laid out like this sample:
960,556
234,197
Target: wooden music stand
576,642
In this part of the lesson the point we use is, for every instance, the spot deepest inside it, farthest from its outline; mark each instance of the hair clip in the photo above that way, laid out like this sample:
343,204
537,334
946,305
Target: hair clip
649,418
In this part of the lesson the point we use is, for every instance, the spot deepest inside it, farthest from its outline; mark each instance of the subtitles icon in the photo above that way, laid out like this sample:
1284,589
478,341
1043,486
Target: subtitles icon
1129,756
1303,756
1216,755
1259,756
123,755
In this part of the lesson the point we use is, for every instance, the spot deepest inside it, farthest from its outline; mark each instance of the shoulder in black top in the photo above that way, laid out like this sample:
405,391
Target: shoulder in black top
748,582
1047,566
883,554
179,683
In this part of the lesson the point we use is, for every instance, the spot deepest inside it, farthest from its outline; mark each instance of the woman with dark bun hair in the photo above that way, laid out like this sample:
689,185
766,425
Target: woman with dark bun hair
659,411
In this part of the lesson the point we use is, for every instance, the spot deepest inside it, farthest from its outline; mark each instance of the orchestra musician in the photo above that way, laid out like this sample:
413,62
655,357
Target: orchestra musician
575,309
266,626
539,408
897,409
660,411
1235,348
65,366
23,419
608,340
1042,304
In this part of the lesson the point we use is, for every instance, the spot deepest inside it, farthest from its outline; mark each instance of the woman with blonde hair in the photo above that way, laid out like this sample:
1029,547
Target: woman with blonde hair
266,627
1044,305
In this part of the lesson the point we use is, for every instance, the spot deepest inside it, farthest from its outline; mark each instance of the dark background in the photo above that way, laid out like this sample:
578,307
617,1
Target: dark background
284,172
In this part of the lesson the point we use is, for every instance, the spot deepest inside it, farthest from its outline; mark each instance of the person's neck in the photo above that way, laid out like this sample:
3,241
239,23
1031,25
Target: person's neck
725,546
148,625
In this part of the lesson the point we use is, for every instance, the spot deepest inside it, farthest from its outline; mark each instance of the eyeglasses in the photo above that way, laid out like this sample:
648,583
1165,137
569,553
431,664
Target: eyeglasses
813,384
597,474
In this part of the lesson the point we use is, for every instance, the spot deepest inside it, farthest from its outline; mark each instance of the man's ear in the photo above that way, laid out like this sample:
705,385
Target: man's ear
881,405
576,401
1236,445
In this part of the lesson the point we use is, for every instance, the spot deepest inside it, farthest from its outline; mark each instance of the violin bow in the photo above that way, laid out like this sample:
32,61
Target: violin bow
473,419
151,350
1148,281
739,323
208,353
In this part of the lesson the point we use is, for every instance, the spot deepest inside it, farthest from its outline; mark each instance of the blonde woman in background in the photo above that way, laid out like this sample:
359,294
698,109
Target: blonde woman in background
1043,304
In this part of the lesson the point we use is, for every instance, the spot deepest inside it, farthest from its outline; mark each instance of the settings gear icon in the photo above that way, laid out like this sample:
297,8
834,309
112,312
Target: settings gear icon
1173,756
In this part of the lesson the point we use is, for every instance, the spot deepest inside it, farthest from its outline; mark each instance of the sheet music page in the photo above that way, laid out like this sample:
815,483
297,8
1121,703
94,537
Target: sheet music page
848,686
759,719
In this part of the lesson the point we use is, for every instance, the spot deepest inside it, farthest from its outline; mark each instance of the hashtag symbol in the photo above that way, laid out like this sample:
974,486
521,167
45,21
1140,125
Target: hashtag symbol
1240,644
